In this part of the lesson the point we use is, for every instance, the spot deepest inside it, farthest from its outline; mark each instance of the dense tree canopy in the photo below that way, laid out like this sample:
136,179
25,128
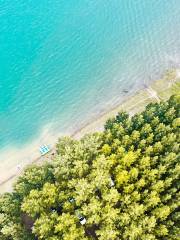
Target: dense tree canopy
118,184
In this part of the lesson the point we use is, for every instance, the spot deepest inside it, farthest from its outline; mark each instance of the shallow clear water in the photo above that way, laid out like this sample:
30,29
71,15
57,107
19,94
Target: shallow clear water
63,62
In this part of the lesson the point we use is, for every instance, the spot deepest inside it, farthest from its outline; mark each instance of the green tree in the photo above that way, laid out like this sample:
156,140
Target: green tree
118,184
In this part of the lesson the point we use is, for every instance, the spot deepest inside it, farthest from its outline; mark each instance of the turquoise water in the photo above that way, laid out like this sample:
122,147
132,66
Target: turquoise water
64,62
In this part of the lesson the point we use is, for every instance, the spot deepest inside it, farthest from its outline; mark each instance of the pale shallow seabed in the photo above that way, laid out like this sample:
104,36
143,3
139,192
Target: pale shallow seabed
63,63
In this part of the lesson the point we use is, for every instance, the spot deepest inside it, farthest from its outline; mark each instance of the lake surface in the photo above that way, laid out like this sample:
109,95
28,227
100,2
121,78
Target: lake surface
64,62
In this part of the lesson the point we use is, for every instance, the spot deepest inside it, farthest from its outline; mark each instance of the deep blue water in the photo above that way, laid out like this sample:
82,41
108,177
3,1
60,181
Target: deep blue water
62,62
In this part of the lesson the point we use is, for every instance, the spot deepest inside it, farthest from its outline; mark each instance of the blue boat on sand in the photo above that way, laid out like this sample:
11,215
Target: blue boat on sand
44,149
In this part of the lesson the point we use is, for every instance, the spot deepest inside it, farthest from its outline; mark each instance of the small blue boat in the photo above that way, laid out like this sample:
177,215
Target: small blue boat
44,149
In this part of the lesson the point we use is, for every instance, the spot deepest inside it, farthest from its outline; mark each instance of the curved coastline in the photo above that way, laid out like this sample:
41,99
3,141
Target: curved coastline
156,91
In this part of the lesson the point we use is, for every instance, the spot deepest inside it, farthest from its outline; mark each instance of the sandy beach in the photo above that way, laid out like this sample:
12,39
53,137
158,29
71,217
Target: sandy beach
15,160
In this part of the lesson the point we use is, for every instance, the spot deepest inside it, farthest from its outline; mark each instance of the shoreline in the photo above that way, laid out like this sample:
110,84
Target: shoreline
158,90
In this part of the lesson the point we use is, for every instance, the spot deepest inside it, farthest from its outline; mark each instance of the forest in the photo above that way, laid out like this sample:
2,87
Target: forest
121,183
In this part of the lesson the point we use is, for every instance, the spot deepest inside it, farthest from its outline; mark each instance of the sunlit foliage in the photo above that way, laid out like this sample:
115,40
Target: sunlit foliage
118,184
